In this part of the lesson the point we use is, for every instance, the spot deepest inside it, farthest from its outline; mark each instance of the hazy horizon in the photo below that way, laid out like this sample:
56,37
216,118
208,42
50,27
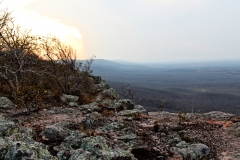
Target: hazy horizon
125,61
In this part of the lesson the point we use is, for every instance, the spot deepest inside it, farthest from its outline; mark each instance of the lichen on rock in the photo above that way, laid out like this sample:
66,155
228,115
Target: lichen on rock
6,103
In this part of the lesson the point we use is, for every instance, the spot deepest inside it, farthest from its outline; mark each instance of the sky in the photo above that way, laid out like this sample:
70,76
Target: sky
137,30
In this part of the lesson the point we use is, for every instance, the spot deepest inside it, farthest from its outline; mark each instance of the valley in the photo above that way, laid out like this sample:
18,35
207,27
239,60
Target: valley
199,87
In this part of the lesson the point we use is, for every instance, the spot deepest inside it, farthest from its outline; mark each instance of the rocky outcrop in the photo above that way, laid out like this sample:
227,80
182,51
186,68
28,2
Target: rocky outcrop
5,103
116,129
17,143
23,150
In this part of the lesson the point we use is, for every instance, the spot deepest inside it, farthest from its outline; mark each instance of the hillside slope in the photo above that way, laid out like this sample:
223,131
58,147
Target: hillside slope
113,128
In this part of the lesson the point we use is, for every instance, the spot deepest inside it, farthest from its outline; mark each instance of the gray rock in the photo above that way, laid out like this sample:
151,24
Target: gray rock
3,148
182,144
70,100
91,107
95,145
99,148
6,127
125,138
6,103
201,150
94,115
2,117
111,127
218,115
76,154
107,104
139,107
22,150
124,104
100,84
172,138
110,94
71,142
20,145
187,137
21,134
191,151
55,133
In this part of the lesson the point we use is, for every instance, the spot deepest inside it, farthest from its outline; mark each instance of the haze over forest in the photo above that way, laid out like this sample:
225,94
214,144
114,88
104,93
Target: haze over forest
201,87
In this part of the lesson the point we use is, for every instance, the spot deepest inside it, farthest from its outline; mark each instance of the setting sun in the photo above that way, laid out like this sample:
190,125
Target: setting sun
42,26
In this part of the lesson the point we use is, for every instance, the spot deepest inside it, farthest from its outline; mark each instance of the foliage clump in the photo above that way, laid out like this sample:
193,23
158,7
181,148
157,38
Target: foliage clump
34,69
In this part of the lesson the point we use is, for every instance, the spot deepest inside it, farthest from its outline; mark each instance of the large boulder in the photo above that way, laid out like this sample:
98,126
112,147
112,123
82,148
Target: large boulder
6,103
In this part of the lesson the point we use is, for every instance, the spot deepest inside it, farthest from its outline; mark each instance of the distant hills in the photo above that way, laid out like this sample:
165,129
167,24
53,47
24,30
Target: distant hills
202,87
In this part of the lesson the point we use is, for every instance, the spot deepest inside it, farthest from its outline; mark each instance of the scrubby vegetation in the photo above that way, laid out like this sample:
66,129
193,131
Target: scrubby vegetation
34,69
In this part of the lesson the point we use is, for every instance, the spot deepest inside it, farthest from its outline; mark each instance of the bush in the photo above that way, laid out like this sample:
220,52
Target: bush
33,67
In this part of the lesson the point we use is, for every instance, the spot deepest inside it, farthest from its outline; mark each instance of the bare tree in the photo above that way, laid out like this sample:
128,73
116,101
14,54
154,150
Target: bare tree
4,18
19,61
69,74
31,65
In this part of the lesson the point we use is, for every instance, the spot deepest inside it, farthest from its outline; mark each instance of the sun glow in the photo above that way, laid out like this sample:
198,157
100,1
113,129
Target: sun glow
41,25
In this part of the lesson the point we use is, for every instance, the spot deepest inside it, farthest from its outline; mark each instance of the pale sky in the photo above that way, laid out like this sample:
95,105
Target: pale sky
138,30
